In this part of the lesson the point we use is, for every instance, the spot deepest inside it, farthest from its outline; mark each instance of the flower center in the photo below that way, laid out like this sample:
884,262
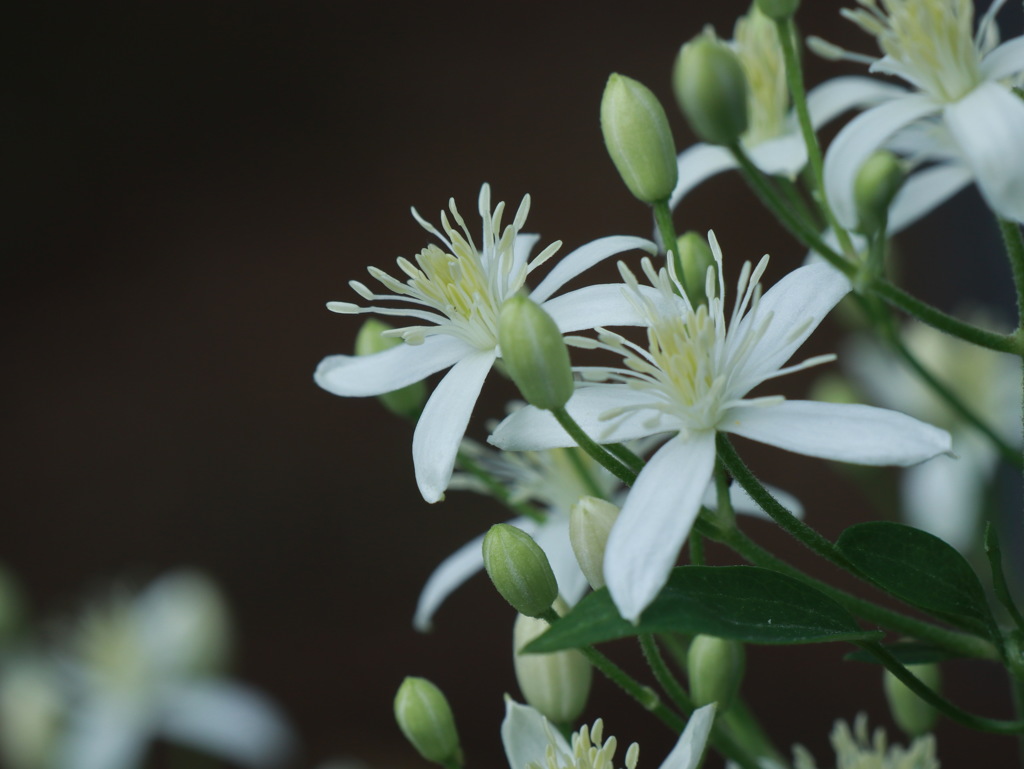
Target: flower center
930,41
589,752
757,45
458,290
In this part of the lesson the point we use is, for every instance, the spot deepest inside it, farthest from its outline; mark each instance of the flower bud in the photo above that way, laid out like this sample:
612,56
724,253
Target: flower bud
638,138
715,667
33,709
590,523
877,183
912,714
778,10
534,353
406,402
519,570
695,257
711,89
556,684
426,720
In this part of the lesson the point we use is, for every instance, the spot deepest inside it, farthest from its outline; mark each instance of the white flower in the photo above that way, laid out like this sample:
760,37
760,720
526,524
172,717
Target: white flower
773,139
961,97
531,742
551,480
858,749
457,293
692,382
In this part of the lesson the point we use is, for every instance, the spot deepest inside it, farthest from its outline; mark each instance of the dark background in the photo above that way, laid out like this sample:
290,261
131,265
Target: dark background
192,182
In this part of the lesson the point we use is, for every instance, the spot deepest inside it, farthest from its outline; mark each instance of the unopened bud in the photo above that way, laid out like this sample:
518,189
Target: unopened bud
534,353
912,714
426,720
711,89
638,138
406,402
519,570
590,523
877,183
715,667
556,684
778,10
695,256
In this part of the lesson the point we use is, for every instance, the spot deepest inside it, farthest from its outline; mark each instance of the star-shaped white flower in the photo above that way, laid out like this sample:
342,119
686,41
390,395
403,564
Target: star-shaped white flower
692,382
773,139
532,742
456,294
961,96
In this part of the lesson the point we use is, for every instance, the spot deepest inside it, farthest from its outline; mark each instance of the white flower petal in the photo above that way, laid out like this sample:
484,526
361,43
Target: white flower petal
782,156
861,137
453,572
844,432
531,428
526,735
229,721
443,422
690,746
585,257
362,375
521,248
925,191
988,124
1004,61
655,520
106,733
944,497
697,164
592,306
797,304
832,98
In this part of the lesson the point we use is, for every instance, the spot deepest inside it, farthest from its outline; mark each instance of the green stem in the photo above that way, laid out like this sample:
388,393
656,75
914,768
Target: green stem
999,586
785,519
627,457
795,80
663,675
1013,239
961,644
669,239
939,703
576,459
594,449
497,489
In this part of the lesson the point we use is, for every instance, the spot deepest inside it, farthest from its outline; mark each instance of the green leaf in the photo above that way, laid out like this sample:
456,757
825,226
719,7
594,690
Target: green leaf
906,652
918,568
739,603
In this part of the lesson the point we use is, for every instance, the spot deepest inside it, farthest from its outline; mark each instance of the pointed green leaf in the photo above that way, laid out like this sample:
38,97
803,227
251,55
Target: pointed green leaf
920,569
740,603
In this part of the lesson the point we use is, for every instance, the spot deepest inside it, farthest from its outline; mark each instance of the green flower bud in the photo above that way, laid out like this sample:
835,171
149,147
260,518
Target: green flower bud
406,402
590,523
715,667
519,570
534,353
638,138
426,720
711,89
695,256
778,10
877,183
556,684
912,714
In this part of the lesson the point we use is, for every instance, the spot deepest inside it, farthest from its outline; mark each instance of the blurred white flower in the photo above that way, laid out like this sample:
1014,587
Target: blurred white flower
456,296
970,115
692,382
857,749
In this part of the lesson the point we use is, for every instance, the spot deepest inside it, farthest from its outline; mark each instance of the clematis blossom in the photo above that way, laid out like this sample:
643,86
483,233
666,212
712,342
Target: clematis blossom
691,382
533,742
960,96
454,294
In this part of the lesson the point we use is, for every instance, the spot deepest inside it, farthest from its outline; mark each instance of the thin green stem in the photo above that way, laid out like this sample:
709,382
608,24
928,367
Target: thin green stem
594,449
961,644
663,675
667,231
696,543
999,586
627,457
1013,239
497,489
795,80
940,703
